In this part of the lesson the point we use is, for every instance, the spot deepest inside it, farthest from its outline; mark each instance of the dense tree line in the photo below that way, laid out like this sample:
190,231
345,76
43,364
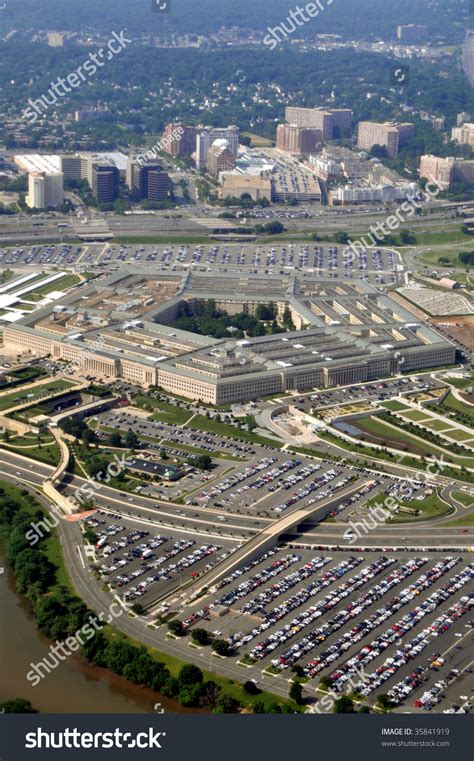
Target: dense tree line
374,18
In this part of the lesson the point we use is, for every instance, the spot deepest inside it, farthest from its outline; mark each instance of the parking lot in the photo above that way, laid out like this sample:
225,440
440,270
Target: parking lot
367,392
142,562
378,266
389,622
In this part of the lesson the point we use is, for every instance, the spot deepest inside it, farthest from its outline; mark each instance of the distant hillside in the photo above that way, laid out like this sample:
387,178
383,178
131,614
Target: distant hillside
360,18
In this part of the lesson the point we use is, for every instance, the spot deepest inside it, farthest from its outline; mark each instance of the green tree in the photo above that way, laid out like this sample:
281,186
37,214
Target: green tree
131,440
251,688
227,704
115,439
176,627
296,692
17,705
344,704
190,674
221,647
201,636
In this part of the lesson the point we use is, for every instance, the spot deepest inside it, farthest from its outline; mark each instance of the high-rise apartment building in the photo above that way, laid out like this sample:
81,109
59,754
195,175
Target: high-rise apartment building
179,139
462,118
297,140
388,135
331,122
464,135
445,171
411,33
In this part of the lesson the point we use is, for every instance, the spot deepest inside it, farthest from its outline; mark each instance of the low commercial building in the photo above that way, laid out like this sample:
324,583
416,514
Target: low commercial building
246,186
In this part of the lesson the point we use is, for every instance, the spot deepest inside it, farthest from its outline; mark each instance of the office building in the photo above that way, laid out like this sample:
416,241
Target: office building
105,181
437,170
45,180
220,158
148,180
241,186
86,114
332,123
297,140
208,135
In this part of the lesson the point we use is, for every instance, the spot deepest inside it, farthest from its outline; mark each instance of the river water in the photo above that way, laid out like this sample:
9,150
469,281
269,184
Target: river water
74,686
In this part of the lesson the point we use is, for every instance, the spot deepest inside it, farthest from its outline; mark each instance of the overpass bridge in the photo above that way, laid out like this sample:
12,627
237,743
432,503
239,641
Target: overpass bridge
269,537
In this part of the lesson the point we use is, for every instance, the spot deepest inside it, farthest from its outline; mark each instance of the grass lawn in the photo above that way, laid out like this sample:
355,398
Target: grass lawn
24,395
460,383
393,438
163,412
394,406
465,499
467,520
431,507
61,284
418,441
457,435
437,425
455,404
48,453
416,415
